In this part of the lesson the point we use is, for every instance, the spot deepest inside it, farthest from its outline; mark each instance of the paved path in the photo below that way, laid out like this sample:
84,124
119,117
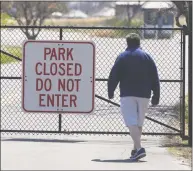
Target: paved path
83,153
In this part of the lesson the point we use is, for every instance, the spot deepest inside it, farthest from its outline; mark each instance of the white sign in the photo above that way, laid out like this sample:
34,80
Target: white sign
58,76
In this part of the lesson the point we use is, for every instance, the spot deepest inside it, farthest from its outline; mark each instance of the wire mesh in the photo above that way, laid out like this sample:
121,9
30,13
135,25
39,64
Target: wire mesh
165,47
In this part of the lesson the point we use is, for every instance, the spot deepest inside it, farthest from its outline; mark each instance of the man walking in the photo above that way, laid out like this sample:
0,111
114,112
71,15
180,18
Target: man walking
137,74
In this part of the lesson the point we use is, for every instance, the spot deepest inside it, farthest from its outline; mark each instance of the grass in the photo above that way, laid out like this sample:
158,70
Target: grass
120,23
16,51
179,147
112,33
105,33
92,21
181,151
114,22
177,109
75,21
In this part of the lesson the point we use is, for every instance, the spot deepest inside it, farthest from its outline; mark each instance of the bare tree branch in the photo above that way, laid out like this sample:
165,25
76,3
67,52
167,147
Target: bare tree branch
32,13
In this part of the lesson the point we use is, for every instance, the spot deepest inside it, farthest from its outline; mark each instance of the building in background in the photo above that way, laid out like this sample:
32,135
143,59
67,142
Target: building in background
125,10
158,15
153,15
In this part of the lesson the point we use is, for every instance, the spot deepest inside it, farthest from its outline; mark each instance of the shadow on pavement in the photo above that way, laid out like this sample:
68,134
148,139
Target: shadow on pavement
43,140
119,161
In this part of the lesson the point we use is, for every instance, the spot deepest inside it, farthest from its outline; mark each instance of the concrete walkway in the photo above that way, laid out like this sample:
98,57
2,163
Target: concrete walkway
83,153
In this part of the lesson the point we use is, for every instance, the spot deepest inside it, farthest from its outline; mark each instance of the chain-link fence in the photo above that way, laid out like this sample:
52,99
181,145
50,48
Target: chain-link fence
167,48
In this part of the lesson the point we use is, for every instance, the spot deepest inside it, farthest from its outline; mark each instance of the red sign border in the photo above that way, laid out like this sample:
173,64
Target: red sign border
58,41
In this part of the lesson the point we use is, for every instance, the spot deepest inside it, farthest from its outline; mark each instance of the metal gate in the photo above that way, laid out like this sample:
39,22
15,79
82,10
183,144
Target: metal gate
168,118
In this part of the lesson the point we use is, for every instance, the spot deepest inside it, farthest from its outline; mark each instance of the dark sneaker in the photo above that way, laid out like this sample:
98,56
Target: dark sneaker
133,152
139,154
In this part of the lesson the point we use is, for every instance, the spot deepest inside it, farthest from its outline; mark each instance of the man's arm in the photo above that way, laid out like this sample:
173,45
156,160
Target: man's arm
155,84
114,78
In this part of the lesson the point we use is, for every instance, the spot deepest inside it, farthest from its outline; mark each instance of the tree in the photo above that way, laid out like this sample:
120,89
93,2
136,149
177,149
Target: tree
32,13
132,8
182,9
132,13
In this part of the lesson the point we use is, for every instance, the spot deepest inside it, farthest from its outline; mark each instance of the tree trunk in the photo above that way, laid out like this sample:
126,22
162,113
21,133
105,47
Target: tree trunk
31,37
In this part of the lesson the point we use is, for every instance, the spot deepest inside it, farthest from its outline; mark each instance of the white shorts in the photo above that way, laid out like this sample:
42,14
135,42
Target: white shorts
133,110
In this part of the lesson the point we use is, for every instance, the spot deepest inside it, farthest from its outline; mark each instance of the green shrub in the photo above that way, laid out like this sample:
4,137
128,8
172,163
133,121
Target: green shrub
6,19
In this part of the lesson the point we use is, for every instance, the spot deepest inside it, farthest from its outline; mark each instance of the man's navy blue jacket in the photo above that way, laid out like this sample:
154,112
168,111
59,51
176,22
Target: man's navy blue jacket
137,74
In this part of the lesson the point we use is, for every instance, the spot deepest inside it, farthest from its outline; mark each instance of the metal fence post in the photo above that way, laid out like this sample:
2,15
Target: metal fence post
183,83
60,115
190,75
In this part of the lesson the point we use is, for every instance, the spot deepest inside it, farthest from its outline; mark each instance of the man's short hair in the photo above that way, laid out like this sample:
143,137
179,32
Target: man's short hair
133,40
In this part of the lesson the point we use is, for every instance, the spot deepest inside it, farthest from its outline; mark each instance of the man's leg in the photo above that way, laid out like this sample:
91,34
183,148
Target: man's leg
140,130
142,104
129,112
136,136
